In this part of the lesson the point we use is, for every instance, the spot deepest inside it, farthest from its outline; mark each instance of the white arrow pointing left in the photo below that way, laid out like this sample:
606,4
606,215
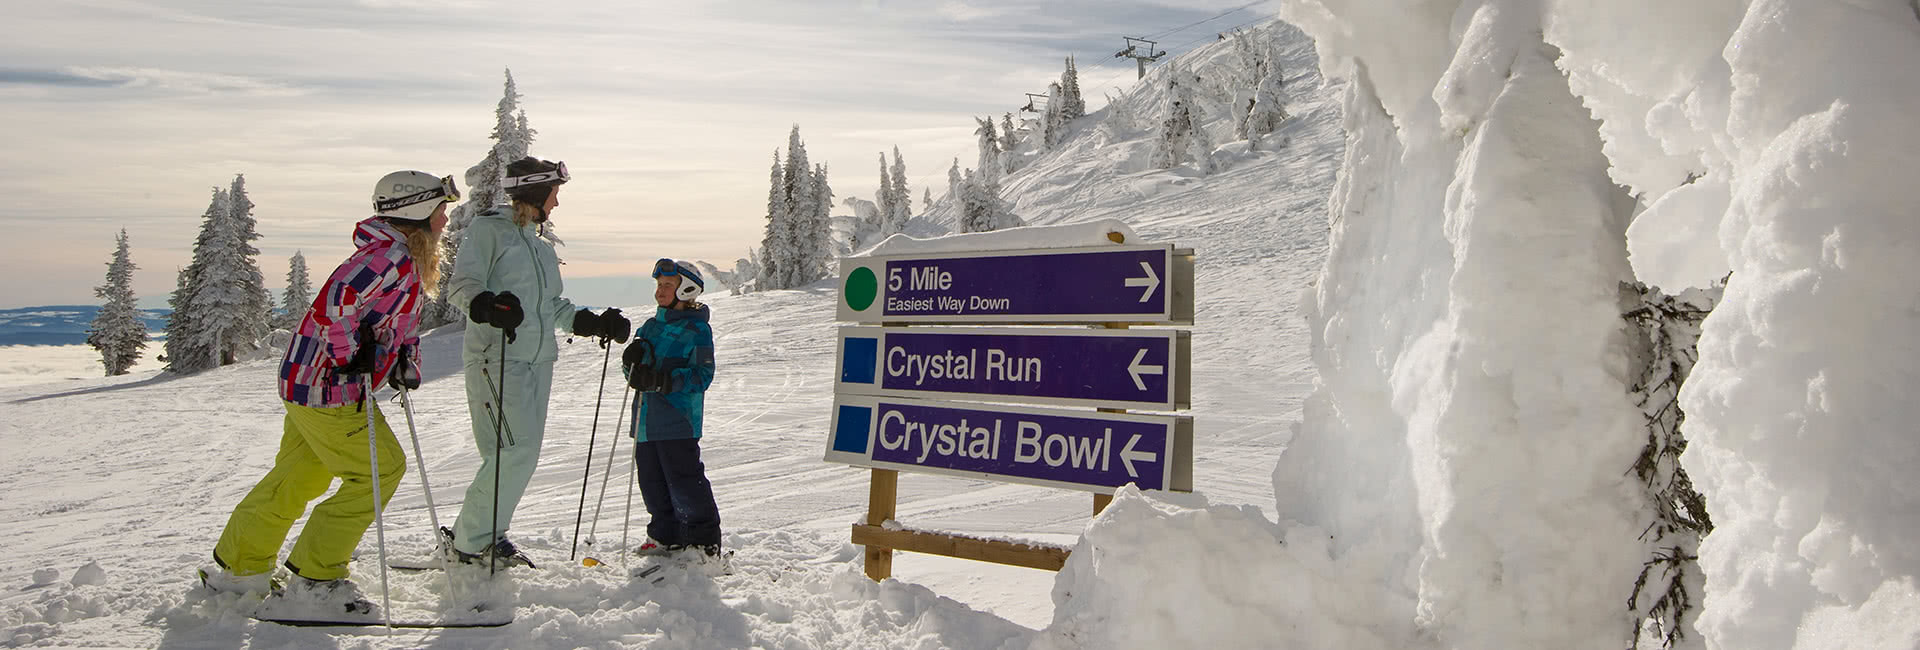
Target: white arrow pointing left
1136,369
1128,456
1151,282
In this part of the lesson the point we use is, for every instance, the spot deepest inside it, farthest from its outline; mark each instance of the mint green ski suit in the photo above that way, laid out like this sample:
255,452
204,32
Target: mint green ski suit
499,256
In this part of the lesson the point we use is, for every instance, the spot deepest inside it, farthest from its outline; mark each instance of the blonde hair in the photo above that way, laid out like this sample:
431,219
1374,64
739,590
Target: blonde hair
524,213
424,246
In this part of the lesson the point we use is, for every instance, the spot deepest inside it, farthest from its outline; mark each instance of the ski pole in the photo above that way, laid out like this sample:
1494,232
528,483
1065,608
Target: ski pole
497,388
633,477
379,514
613,451
500,422
592,436
433,514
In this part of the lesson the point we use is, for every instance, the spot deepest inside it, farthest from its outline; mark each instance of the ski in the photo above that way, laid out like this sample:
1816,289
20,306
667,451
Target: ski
412,625
434,565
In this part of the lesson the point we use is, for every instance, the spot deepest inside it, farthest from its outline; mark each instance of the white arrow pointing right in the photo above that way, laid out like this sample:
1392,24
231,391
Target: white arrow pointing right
1128,455
1136,369
1151,282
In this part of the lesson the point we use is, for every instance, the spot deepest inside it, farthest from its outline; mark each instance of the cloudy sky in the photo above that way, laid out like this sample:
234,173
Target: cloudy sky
126,113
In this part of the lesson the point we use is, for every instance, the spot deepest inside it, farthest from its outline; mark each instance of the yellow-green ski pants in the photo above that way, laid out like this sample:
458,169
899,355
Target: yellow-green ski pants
319,445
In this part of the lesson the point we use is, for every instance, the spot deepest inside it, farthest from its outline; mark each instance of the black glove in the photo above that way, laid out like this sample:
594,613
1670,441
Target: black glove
404,375
585,323
638,360
663,380
501,310
615,326
362,361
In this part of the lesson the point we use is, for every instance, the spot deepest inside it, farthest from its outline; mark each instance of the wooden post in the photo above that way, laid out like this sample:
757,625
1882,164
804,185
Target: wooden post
882,497
1100,502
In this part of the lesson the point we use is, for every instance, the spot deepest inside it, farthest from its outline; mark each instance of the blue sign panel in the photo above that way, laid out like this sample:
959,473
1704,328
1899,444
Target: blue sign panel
1132,284
1106,368
1080,450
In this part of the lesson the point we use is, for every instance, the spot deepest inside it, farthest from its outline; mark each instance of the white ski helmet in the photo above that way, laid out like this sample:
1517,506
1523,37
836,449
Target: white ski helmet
412,195
691,286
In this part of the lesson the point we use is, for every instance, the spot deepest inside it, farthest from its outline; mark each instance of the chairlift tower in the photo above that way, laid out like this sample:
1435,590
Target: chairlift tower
1140,58
1031,98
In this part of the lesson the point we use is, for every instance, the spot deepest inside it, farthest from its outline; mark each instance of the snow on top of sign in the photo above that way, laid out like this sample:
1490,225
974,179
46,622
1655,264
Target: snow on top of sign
1073,235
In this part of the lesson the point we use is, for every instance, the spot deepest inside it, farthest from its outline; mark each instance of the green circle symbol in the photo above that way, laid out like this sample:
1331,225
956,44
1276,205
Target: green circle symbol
862,287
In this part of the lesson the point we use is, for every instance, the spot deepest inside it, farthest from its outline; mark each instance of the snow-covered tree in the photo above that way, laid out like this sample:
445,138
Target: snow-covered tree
512,138
926,199
902,209
799,240
1182,138
1009,141
953,180
298,296
767,271
1053,123
988,169
187,350
258,310
117,332
982,209
1072,105
229,293
883,198
1266,108
1666,593
182,352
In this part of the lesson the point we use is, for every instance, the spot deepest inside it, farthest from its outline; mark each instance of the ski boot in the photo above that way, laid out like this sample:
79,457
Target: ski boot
340,595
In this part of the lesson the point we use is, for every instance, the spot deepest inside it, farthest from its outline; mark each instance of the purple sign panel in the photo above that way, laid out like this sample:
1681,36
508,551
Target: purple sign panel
1117,370
1124,282
1062,448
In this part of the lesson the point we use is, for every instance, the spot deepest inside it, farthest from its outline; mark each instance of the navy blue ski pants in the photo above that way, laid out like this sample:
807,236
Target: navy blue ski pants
673,482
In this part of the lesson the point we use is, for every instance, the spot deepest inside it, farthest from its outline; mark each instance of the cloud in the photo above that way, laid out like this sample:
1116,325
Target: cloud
124,77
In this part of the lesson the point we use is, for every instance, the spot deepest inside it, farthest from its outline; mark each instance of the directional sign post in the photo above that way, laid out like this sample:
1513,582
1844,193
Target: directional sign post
921,395
1103,284
1140,369
1079,450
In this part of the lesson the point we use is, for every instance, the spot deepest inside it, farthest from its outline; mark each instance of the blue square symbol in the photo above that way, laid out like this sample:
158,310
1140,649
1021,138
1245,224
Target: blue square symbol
857,360
850,433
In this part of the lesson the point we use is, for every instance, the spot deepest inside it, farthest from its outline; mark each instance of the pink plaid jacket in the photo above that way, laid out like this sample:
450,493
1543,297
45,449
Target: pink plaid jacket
376,284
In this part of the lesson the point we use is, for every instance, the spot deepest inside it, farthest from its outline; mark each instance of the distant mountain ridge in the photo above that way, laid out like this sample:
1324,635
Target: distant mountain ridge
62,324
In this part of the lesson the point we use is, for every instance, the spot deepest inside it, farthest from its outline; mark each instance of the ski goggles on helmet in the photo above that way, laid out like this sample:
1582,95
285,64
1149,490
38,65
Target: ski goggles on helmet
554,176
447,191
665,266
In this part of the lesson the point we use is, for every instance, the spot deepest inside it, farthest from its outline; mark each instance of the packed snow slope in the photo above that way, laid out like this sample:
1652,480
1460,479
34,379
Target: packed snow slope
117,488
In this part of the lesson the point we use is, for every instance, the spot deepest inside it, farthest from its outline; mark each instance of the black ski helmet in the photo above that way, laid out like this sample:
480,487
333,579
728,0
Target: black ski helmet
531,180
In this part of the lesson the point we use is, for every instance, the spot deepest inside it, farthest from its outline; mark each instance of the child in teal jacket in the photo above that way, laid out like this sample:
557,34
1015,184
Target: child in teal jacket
670,364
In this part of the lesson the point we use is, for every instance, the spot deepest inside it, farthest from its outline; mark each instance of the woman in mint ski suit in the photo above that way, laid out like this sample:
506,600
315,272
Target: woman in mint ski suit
510,279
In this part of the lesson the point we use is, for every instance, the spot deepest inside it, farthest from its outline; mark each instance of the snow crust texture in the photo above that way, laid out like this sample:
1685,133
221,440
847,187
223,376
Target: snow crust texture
1464,333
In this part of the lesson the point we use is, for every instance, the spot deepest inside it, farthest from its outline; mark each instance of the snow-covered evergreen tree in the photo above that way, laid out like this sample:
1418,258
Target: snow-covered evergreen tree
800,200
188,350
1182,139
1072,105
258,309
953,181
883,198
1009,141
767,272
982,209
820,248
117,332
1053,123
228,290
512,138
988,169
902,196
1267,108
298,296
181,351
926,199
1665,597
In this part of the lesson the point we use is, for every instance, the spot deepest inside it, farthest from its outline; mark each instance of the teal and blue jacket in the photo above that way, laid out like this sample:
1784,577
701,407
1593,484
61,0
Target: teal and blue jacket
682,343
